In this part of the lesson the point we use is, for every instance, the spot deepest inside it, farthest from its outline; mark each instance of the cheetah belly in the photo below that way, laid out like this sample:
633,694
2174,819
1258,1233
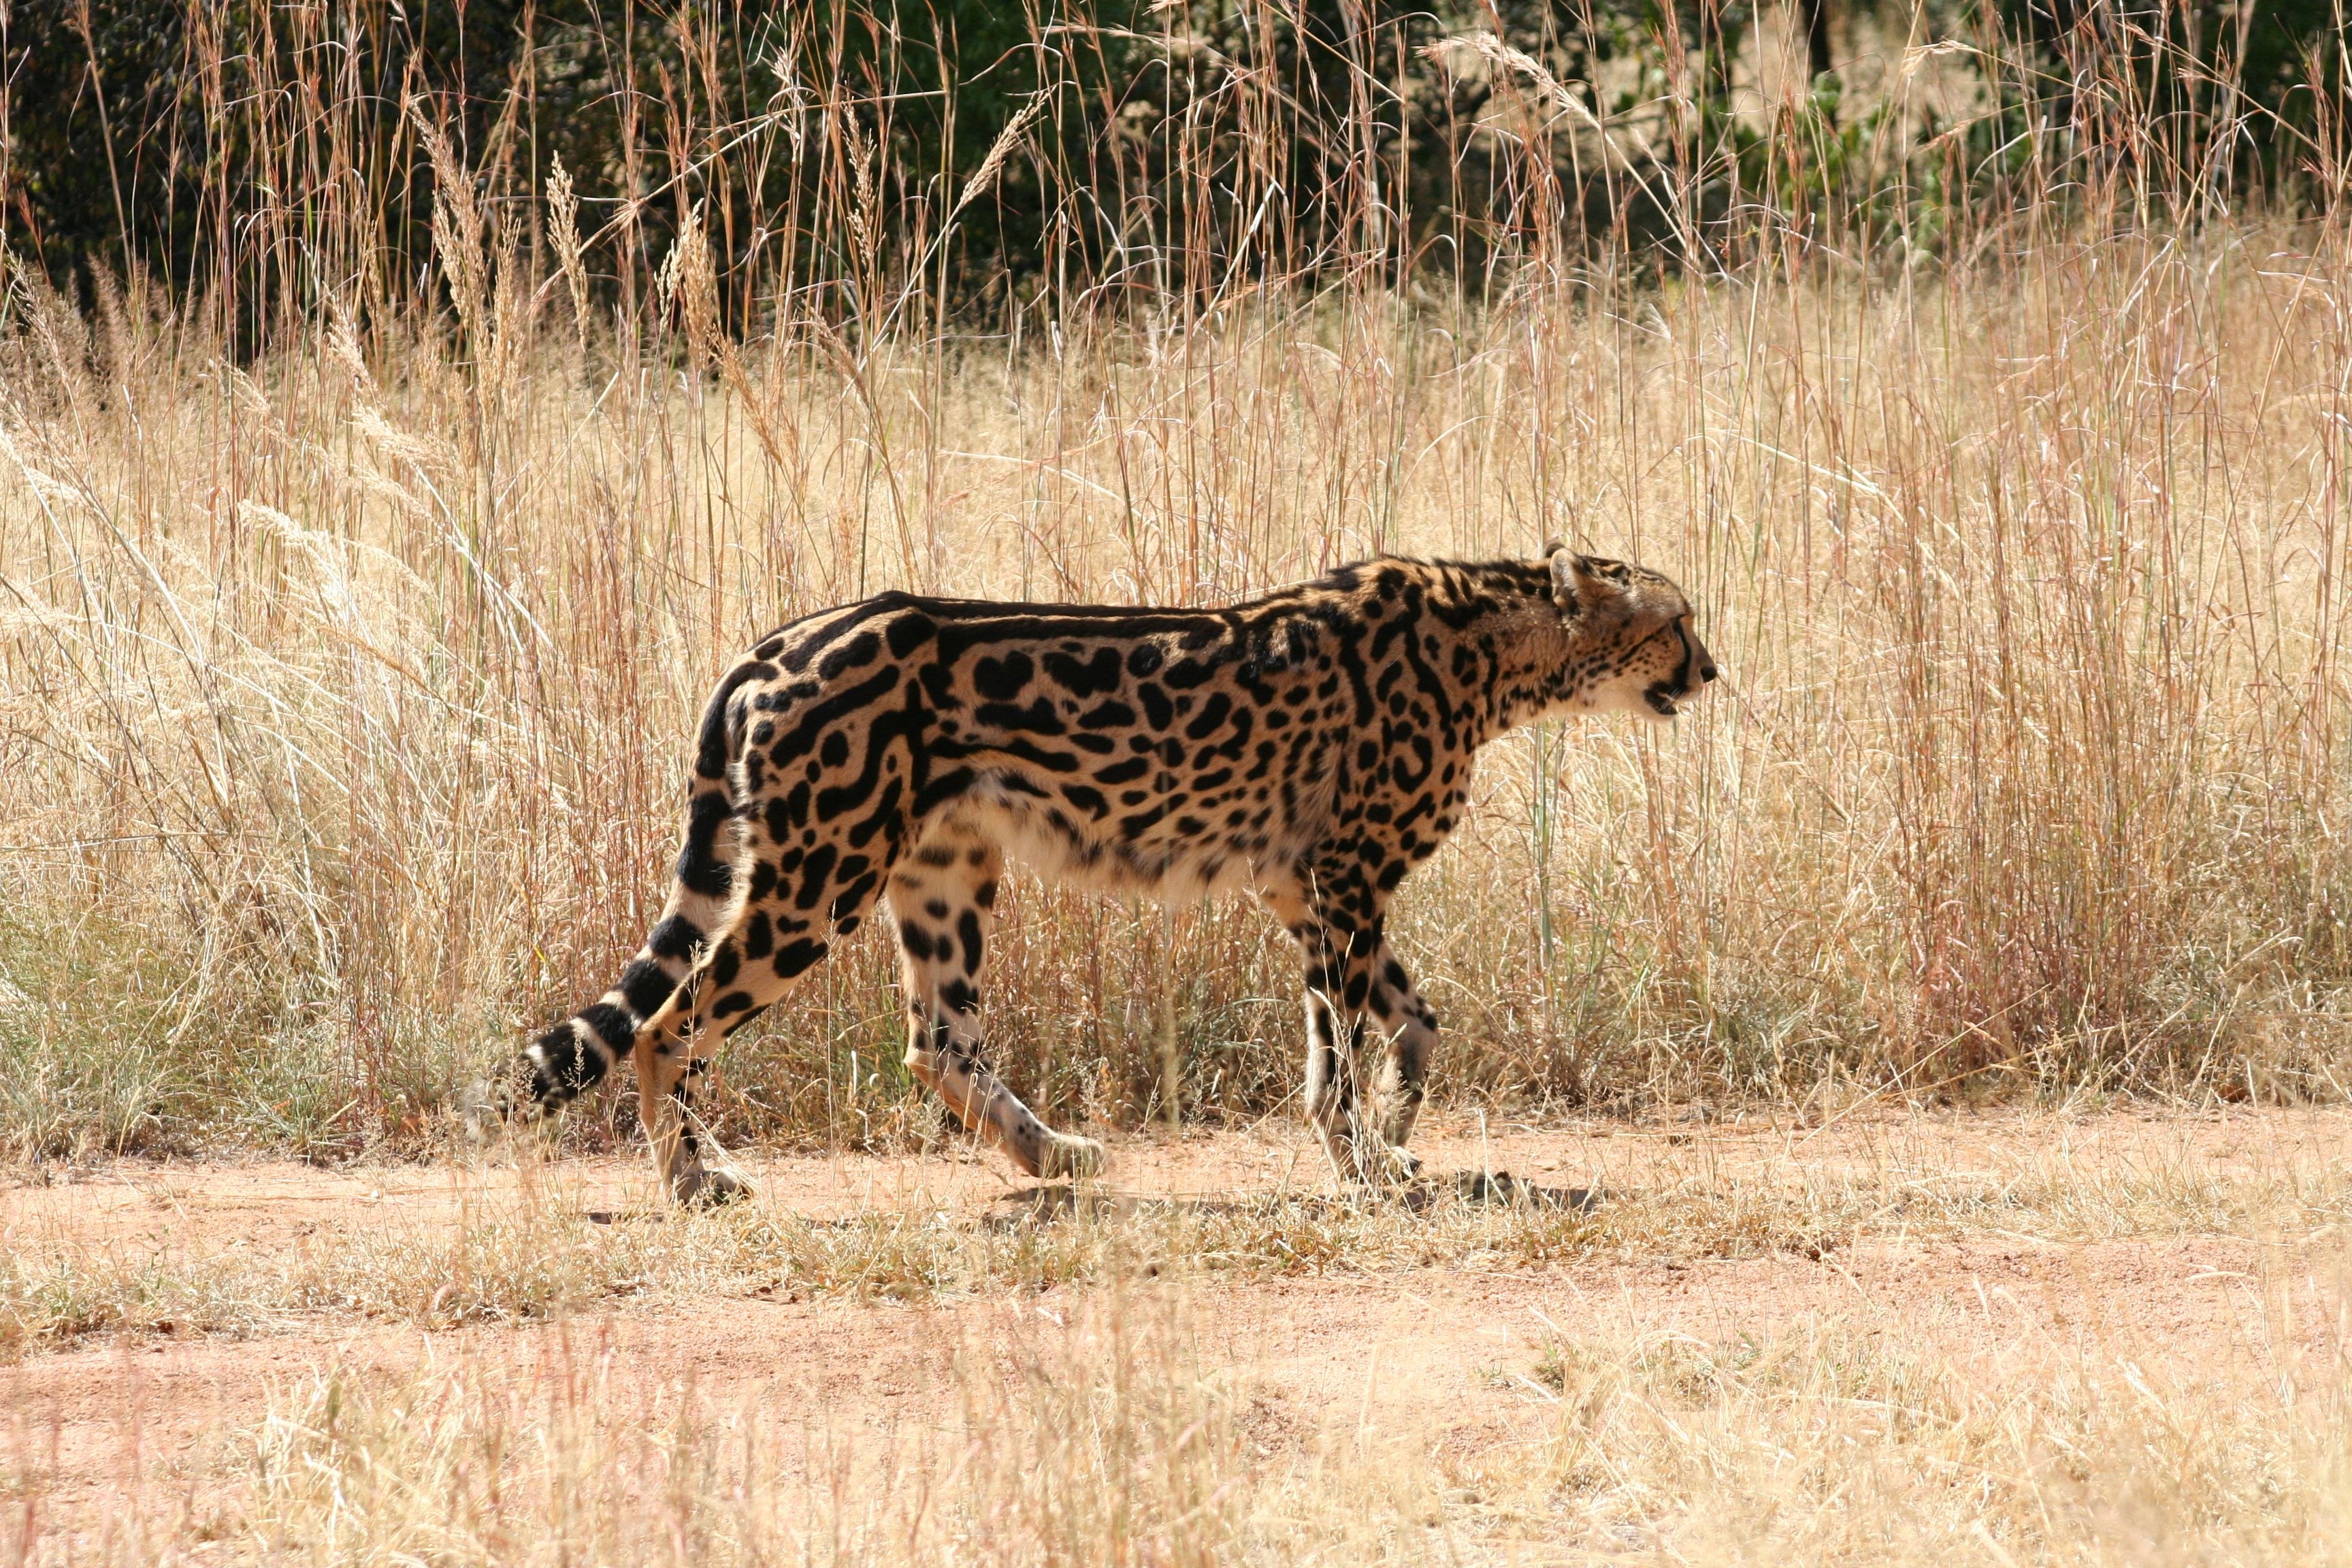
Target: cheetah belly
1166,864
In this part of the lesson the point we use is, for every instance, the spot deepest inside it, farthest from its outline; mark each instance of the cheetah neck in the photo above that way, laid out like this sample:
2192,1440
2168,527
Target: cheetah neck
1499,630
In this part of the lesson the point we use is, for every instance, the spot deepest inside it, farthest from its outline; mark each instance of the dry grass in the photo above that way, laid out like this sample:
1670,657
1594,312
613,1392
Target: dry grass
1123,1439
2031,767
498,1249
1840,1443
1117,1445
353,619
344,684
1078,1389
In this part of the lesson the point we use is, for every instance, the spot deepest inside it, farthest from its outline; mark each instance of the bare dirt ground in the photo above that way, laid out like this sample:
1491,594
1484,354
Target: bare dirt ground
1447,1350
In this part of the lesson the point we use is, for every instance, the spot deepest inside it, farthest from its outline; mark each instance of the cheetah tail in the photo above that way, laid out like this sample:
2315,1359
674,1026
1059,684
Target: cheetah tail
570,1058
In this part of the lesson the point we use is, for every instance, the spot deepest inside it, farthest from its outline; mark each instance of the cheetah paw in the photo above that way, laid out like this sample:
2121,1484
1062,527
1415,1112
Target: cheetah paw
712,1188
1385,1166
1068,1156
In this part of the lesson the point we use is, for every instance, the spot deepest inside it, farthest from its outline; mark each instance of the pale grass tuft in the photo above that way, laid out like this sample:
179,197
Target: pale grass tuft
1113,1443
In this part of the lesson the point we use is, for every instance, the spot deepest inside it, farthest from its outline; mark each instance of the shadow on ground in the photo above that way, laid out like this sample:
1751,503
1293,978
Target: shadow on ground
1064,1200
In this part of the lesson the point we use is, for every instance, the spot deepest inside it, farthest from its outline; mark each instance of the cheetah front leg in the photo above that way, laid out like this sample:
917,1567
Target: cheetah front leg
762,947
676,1142
1407,1027
942,895
1335,914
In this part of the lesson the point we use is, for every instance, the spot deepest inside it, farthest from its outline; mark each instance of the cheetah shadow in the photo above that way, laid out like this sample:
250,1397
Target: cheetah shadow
1477,1189
1056,1201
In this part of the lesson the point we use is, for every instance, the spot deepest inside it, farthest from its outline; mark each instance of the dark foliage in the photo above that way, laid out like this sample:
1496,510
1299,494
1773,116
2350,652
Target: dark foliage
258,155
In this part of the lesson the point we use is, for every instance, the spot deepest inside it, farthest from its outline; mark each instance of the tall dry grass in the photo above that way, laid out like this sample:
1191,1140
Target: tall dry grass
347,684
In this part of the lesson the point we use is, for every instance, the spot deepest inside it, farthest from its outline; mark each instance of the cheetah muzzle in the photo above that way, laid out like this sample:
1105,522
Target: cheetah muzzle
1312,746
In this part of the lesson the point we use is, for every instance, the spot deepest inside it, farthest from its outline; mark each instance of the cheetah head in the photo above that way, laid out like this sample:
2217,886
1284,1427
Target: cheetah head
1631,647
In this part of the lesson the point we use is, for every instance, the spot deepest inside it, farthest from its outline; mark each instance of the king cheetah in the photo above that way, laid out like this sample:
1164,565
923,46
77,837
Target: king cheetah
1312,746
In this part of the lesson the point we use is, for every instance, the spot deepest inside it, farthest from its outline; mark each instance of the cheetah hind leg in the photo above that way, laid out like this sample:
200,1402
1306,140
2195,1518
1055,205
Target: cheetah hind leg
748,966
693,1175
942,897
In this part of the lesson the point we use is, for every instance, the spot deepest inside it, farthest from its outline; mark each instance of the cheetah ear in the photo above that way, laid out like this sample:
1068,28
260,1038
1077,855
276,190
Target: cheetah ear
1576,587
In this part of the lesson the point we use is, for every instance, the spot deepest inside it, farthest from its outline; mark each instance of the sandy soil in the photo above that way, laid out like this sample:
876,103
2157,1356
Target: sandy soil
1444,1349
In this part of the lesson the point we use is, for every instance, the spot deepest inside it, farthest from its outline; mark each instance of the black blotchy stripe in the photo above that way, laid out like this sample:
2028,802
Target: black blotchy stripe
944,787
794,957
1037,718
700,869
746,1018
814,871
882,817
715,746
612,1025
817,717
1212,715
674,938
908,633
885,727
844,657
1036,756
645,985
851,902
1048,623
849,619
1001,679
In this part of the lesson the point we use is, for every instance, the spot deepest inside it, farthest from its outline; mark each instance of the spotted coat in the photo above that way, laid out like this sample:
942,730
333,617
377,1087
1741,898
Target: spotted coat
1313,746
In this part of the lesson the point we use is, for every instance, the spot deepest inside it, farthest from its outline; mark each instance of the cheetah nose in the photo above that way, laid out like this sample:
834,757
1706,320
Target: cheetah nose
1707,672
